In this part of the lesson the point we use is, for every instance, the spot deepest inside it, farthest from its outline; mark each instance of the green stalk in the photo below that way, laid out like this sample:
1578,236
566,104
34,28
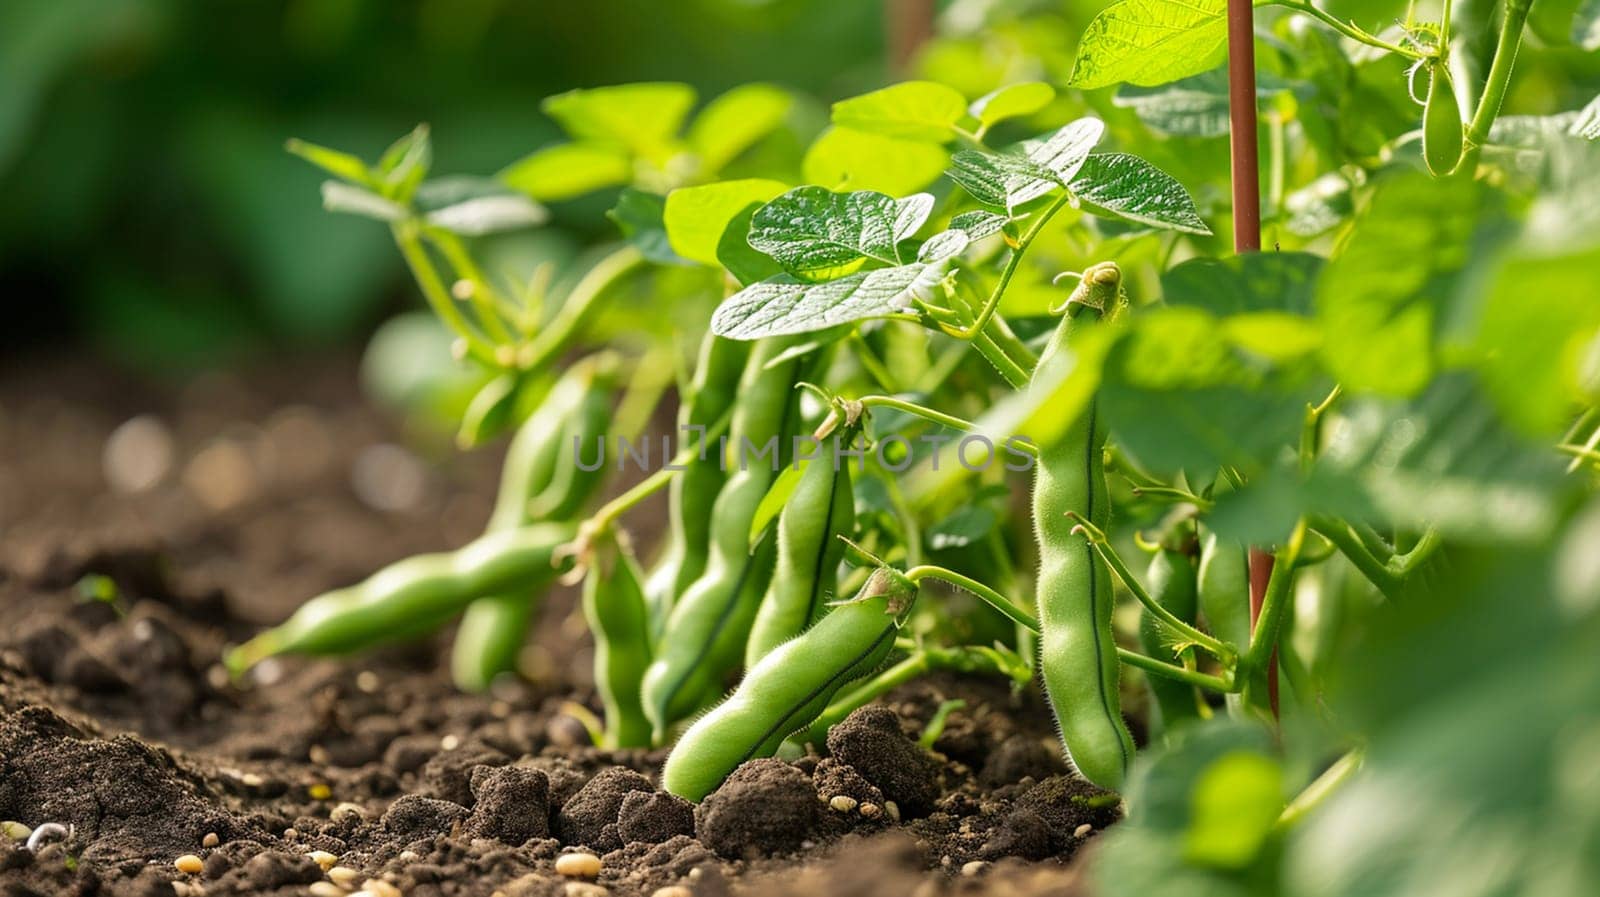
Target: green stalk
1348,29
438,297
485,299
1273,605
1499,79
559,331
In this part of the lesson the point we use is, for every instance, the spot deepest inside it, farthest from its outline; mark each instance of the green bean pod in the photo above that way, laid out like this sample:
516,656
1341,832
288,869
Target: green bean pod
1078,651
538,463
1224,588
693,492
1442,132
614,607
412,596
790,687
705,634
1171,582
583,430
821,508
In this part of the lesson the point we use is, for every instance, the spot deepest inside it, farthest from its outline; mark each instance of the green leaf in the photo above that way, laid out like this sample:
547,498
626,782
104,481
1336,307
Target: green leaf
813,232
943,246
1127,187
1150,42
696,217
472,206
339,164
1536,335
1319,206
1232,808
979,223
969,525
786,305
1009,180
914,110
1196,106
567,170
1376,298
737,256
910,213
777,496
1180,397
337,196
1240,284
639,215
847,158
1011,101
405,164
644,117
735,121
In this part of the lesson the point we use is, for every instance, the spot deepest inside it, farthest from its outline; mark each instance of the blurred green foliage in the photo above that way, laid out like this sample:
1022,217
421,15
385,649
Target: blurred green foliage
150,208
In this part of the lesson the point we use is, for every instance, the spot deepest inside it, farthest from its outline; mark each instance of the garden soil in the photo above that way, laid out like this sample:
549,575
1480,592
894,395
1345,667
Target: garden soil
144,526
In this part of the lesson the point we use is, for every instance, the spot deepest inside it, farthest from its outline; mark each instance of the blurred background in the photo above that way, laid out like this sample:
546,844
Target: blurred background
152,216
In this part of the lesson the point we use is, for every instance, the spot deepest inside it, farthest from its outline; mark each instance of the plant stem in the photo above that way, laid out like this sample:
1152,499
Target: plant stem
1097,537
485,299
989,596
1171,671
993,304
1319,790
1377,572
558,333
1348,29
1274,603
1499,78
1009,369
1243,132
437,295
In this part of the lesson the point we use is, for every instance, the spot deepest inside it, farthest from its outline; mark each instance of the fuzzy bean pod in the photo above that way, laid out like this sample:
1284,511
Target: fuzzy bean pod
1224,588
693,492
821,508
1442,132
790,687
1171,581
1078,651
614,607
540,463
412,596
704,637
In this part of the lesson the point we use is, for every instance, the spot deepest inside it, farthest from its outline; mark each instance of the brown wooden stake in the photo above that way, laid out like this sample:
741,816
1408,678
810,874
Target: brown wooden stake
1246,177
909,24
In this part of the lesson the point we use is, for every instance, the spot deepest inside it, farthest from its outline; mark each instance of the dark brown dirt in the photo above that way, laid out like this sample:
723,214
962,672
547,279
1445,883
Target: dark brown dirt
117,723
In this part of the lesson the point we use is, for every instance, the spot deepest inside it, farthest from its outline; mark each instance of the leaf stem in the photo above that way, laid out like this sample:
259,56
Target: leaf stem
1318,791
989,596
1348,29
1172,671
1496,83
1273,604
558,333
1224,652
485,299
1010,270
438,297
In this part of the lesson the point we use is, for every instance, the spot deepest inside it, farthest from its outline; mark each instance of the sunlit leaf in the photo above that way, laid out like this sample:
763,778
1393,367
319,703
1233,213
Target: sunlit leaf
640,217
735,121
1126,186
644,117
1150,42
567,170
812,231
337,196
844,158
1012,101
341,165
914,110
695,217
1251,282
1008,180
787,305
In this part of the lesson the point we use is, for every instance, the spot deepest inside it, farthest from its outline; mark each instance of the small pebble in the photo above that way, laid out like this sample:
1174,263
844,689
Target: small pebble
291,833
15,831
973,868
325,889
892,809
210,840
347,809
450,742
672,891
368,682
189,864
323,858
578,865
870,811
343,876
585,889
844,803
409,856
377,887
1082,831
319,791
696,874
319,755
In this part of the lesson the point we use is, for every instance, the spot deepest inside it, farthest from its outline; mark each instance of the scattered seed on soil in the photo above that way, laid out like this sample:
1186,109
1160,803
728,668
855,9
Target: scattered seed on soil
189,864
973,868
343,876
323,858
368,682
672,891
325,889
584,889
870,811
319,791
578,865
1082,831
844,803
347,810
892,809
377,887
15,831
210,840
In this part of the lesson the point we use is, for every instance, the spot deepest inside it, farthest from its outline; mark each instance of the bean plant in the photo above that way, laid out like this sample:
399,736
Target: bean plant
982,335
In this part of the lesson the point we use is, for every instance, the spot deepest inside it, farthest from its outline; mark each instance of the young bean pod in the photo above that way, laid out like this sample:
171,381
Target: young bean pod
713,390
412,596
1078,652
705,634
538,463
790,687
614,607
821,508
1442,132
1171,581
1224,588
